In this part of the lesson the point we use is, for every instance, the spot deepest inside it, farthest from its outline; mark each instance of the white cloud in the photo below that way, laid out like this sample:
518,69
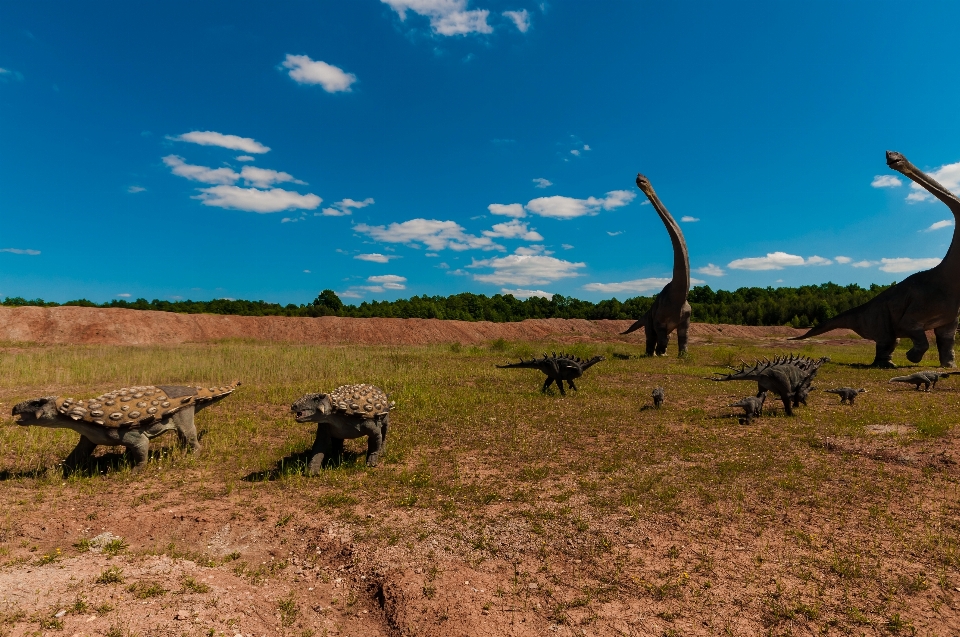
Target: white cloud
587,147
526,294
566,246
7,74
842,259
775,261
346,206
906,264
306,271
542,183
135,189
255,200
434,234
639,286
32,253
946,223
507,210
442,266
125,295
447,17
886,181
203,174
376,257
520,18
613,234
689,219
232,142
711,270
525,269
303,70
949,178
559,207
863,264
245,158
264,177
389,281
514,229
575,152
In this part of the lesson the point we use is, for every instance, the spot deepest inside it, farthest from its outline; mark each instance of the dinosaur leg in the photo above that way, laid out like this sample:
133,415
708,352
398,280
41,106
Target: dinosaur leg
80,454
546,385
920,346
560,387
945,337
374,445
138,448
651,335
682,336
322,447
186,428
663,339
572,386
884,355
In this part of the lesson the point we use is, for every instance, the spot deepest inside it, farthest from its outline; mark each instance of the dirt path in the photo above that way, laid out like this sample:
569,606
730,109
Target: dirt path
83,325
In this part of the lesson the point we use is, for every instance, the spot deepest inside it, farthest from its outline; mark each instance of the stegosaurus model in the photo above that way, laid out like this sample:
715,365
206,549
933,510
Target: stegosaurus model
928,379
787,376
349,411
557,368
752,407
130,417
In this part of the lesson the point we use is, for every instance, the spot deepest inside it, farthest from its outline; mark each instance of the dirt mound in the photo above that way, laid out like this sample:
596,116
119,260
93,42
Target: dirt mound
101,326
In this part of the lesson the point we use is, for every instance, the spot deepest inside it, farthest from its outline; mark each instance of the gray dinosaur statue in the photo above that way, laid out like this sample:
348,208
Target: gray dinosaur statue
928,379
846,394
349,411
130,417
658,397
786,376
670,310
927,300
800,397
752,407
557,368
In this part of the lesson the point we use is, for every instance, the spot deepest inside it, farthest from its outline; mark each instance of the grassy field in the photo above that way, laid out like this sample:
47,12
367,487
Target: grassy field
839,520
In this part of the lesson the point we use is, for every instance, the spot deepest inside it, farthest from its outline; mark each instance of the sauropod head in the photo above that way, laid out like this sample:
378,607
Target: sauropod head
311,407
33,412
895,159
644,184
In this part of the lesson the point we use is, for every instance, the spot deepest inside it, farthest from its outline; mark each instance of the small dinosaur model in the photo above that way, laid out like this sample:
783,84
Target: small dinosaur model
800,397
928,379
349,411
670,310
786,376
658,397
927,300
752,407
846,394
557,368
130,417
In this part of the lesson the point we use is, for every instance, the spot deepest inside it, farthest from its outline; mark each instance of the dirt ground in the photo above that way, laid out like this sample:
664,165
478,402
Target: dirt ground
96,326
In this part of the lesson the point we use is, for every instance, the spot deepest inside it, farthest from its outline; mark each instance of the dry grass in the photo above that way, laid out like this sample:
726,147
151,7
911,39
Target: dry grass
813,520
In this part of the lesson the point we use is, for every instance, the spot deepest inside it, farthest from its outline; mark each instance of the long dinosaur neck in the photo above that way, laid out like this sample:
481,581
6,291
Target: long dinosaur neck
681,260
951,262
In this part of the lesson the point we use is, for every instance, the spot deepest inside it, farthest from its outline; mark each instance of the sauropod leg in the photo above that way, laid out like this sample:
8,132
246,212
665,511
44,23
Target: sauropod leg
682,336
884,355
322,448
138,447
920,345
945,337
374,445
186,428
663,339
80,454
651,334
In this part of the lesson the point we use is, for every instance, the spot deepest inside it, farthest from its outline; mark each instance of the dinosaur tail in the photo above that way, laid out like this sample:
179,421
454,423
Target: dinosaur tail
900,379
522,365
636,326
845,320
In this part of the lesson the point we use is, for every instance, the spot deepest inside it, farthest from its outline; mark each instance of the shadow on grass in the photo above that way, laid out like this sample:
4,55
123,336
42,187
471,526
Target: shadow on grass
295,464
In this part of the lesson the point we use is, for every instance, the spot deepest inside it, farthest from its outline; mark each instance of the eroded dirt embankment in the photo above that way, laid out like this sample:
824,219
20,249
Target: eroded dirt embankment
84,325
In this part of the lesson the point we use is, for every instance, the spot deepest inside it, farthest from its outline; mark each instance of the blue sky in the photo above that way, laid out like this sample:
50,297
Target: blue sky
398,147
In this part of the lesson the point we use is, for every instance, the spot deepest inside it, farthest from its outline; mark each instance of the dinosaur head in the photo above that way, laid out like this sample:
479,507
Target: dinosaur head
644,184
895,160
311,407
36,411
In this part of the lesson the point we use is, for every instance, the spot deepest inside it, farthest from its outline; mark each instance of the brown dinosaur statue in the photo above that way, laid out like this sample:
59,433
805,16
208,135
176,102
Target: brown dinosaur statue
927,300
670,310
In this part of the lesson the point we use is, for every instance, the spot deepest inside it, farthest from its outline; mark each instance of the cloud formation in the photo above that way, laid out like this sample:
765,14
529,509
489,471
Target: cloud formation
256,200
31,253
775,261
303,70
946,223
559,207
689,219
135,189
232,142
447,17
526,294
842,259
433,234
524,268
906,264
376,257
711,270
513,230
264,177
639,286
521,19
507,210
542,183
948,176
388,282
203,174
886,181
346,207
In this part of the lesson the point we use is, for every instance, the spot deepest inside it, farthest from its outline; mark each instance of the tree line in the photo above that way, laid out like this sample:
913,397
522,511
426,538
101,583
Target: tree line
804,306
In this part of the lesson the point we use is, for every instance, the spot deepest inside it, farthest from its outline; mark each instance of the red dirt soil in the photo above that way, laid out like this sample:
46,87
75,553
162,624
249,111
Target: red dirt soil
98,326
